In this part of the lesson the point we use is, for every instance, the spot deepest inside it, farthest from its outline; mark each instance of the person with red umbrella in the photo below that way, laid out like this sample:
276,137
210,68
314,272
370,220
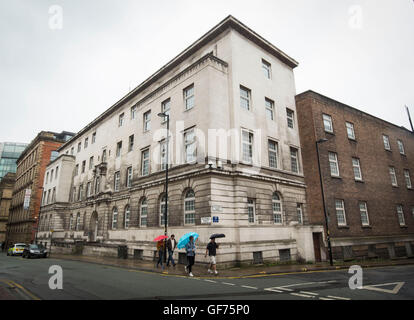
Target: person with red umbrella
160,248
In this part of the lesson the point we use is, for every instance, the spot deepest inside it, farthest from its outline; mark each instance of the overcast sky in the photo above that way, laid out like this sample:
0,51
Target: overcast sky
357,52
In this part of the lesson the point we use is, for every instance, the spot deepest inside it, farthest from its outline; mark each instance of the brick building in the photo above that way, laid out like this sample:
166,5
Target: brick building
367,166
30,173
6,191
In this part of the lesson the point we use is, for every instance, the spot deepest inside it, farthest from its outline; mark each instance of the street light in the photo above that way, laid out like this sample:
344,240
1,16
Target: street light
165,115
323,201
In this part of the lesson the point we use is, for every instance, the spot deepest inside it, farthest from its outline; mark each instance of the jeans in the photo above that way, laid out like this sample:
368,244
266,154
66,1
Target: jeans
190,260
160,258
170,258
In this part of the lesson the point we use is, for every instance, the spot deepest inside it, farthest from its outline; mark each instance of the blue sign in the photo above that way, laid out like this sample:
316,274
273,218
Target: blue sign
215,219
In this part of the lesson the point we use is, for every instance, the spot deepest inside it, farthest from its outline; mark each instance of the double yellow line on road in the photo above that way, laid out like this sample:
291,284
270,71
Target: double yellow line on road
20,289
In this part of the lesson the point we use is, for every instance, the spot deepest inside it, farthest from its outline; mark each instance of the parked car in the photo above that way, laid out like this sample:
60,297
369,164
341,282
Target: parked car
16,249
34,250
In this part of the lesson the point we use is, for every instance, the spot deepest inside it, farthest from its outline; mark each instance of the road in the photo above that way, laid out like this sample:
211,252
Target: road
29,279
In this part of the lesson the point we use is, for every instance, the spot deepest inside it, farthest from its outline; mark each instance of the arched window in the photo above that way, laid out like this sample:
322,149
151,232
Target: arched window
189,207
144,212
114,218
78,221
126,217
162,209
71,222
277,209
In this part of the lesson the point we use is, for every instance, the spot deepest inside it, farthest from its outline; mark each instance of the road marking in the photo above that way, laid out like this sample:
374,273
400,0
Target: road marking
302,295
211,281
298,284
397,287
273,289
228,283
311,293
338,298
322,298
247,287
13,284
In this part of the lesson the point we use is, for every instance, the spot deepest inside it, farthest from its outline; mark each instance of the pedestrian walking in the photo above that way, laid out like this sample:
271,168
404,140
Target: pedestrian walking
211,250
171,245
160,249
191,251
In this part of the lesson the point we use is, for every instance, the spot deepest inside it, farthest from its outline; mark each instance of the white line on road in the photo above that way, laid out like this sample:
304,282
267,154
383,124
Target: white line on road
273,290
249,287
311,293
339,298
302,295
228,283
322,298
211,281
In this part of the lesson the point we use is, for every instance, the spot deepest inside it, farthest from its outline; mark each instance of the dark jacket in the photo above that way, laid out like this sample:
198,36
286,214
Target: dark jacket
169,244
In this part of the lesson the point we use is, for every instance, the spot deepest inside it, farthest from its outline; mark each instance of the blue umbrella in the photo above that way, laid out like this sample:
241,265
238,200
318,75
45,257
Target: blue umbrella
185,239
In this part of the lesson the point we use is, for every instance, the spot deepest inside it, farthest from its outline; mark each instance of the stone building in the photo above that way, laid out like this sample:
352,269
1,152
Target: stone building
27,191
6,191
367,166
234,159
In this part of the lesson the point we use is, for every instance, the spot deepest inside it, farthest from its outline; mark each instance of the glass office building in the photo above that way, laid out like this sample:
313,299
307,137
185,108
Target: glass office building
9,153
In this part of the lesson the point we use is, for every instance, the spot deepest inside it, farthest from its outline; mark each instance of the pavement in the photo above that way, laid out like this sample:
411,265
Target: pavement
200,270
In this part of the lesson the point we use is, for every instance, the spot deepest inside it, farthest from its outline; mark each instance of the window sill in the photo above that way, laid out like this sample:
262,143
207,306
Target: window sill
359,181
366,227
329,132
404,226
336,177
352,140
343,227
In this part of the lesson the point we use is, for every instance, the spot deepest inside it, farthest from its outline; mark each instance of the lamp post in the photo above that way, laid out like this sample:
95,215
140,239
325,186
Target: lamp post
328,238
164,115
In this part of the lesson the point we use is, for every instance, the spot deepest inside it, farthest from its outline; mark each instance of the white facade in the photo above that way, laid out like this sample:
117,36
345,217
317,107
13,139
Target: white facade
245,91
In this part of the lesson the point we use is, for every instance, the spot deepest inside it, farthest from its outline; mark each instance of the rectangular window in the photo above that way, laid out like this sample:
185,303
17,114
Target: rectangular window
393,176
387,145
129,177
299,213
400,213
83,166
144,213
147,121
93,137
118,149
364,213
350,131
121,120
267,69
327,123
145,162
251,210
72,151
80,192
189,97
401,147
407,179
79,146
117,180
333,164
76,169
54,194
273,154
190,146
133,112
131,143
294,161
245,95
90,163
47,177
290,118
88,189
165,108
340,212
247,146
270,106
56,174
86,143
357,169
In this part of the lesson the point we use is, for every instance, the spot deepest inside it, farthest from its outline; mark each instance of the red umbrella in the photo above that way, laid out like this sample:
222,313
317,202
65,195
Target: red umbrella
159,238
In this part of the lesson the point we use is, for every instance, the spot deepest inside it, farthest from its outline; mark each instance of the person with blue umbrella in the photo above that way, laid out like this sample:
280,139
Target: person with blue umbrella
190,248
